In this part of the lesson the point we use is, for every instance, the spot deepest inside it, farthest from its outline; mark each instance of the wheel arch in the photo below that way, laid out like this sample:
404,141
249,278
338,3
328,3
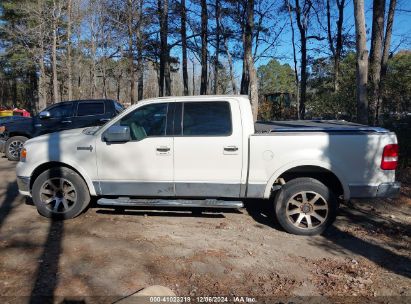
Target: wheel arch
324,172
54,164
12,134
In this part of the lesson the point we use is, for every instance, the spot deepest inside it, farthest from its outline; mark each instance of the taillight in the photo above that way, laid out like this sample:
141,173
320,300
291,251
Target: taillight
389,157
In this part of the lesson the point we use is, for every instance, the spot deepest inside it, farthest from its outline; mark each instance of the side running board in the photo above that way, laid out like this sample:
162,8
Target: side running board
206,203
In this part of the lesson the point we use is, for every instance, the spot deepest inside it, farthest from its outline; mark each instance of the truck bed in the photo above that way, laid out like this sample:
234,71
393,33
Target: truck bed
328,126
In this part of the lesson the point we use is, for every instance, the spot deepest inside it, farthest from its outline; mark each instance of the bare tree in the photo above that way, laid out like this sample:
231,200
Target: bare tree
294,57
377,37
248,58
302,15
56,14
362,62
140,62
204,40
69,64
337,49
164,51
217,43
184,44
385,55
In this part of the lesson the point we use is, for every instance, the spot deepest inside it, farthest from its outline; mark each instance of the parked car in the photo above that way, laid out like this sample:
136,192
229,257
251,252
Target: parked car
205,152
57,117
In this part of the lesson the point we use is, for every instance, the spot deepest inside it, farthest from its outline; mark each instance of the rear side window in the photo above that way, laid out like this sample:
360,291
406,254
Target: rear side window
90,108
206,119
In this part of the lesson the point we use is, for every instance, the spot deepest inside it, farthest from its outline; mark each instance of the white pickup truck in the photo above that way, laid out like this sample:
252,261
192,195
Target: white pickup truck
206,151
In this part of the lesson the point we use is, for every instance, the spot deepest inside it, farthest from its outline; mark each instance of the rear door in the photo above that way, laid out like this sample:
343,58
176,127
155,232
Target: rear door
207,149
90,113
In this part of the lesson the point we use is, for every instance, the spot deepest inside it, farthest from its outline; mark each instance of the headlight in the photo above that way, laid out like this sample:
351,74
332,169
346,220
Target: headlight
23,155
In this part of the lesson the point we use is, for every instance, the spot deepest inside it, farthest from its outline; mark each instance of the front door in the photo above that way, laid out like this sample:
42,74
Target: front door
208,149
142,166
61,118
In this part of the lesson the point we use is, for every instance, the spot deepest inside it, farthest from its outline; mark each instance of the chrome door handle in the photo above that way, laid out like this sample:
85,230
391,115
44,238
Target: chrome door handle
104,119
163,149
231,148
66,121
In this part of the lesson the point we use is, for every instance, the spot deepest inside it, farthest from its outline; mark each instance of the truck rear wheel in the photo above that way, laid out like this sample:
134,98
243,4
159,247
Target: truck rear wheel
60,193
305,206
13,147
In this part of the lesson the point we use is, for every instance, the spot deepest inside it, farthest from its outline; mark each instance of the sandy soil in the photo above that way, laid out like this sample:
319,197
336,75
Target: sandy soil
110,254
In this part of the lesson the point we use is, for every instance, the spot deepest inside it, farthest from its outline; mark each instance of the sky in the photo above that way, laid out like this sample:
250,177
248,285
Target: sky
401,38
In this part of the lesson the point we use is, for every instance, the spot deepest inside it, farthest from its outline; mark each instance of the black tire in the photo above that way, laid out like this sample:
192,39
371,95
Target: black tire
314,206
60,187
13,147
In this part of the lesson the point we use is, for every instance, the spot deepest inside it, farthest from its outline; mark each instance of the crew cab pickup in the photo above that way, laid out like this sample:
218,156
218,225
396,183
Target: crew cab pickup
57,117
206,151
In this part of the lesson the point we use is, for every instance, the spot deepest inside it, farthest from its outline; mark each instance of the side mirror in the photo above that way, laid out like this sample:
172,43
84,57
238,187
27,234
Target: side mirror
44,115
117,134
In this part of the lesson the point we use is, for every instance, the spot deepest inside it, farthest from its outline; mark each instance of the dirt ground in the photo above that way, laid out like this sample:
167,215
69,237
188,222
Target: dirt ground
111,255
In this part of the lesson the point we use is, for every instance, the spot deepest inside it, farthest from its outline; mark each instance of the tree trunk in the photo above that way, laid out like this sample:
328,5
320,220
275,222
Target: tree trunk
336,51
132,73
140,62
245,81
294,58
377,37
194,83
204,33
387,39
362,62
42,94
69,72
54,54
163,16
217,48
302,26
248,57
385,54
184,45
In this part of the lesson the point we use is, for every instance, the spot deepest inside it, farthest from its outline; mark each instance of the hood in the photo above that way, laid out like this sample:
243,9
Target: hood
58,146
58,137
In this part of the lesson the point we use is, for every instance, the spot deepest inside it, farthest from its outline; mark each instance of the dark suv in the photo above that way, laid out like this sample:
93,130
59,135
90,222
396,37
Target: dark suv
57,117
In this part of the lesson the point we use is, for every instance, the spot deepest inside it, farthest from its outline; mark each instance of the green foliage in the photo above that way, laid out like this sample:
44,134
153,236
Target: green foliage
396,88
275,77
322,100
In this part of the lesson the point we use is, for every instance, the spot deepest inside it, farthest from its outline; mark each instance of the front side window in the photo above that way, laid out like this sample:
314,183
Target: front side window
150,120
90,108
206,119
63,110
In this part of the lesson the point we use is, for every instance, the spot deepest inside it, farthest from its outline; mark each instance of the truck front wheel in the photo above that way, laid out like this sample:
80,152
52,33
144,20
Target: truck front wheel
305,206
13,147
60,193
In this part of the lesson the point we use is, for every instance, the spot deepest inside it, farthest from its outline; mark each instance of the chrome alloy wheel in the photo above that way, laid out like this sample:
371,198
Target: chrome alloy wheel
58,194
15,147
307,210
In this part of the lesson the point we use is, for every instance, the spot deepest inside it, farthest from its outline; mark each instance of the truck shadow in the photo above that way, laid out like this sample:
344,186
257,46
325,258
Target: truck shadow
341,242
46,277
7,205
